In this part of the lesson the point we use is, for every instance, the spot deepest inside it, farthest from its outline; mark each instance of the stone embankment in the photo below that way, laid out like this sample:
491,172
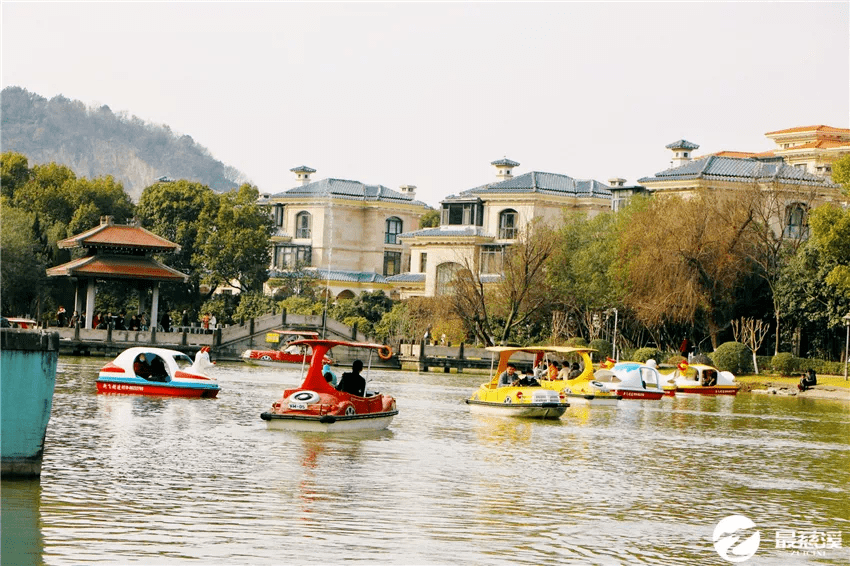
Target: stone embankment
791,390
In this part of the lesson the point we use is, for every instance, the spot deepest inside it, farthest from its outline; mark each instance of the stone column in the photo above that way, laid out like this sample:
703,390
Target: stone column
90,295
155,306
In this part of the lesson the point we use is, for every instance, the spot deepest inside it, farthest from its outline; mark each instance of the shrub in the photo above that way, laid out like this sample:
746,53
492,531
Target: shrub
602,347
576,342
702,359
783,362
674,359
764,363
734,357
643,354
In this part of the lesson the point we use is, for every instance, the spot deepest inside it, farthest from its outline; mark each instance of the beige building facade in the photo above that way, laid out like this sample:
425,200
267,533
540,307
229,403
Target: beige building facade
477,225
343,233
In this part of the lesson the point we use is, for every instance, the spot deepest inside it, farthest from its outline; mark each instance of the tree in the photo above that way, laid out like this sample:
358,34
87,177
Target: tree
430,219
830,226
520,294
22,271
680,259
770,244
15,173
751,333
235,241
581,269
841,173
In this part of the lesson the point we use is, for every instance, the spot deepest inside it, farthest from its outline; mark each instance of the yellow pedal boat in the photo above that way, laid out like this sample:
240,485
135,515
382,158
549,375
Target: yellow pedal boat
506,394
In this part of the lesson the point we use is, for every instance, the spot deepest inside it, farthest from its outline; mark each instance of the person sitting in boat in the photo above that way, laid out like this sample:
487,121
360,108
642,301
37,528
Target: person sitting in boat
709,378
527,380
329,375
808,381
575,371
352,382
158,371
540,369
141,367
509,376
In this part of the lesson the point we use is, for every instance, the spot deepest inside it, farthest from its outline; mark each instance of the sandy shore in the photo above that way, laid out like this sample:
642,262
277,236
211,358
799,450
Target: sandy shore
816,392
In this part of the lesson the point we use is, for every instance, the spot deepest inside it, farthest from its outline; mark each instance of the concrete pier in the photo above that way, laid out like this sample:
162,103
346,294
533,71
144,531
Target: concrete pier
28,361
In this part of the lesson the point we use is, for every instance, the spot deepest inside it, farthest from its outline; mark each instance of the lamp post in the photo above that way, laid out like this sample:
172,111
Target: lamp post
846,318
614,343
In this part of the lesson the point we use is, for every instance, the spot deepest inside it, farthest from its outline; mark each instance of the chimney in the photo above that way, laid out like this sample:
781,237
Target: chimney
408,190
107,220
682,151
302,173
504,168
616,182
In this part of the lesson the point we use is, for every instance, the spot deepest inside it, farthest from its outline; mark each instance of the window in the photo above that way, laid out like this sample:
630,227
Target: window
492,259
462,214
507,224
302,225
392,263
287,257
393,230
796,221
277,215
446,273
801,166
423,262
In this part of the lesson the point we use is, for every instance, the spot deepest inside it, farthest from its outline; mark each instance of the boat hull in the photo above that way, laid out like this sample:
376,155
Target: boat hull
523,410
708,390
328,423
639,394
127,387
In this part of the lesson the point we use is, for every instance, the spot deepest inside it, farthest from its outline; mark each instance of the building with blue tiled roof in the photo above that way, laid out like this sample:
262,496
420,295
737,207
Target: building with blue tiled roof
345,232
478,224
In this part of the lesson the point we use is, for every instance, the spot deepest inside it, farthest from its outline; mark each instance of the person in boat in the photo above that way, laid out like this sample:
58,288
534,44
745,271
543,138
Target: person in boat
352,382
575,371
527,380
509,376
158,371
141,367
709,378
552,372
330,376
808,381
540,369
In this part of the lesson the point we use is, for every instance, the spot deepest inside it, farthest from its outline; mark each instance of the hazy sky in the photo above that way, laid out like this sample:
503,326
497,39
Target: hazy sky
430,93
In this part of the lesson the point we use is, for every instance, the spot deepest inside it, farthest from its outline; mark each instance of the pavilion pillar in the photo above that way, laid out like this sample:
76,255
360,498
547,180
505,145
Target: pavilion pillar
91,291
155,306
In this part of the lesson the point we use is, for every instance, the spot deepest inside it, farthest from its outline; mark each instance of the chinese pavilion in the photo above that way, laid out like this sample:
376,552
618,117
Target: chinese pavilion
120,252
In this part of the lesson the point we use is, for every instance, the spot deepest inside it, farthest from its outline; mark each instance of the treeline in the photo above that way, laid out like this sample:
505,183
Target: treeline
664,272
224,237
95,142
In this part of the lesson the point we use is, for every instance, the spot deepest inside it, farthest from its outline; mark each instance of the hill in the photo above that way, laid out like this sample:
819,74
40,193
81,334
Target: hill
96,141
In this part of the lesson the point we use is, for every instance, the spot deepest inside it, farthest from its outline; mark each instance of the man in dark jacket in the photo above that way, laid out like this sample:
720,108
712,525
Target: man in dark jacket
352,382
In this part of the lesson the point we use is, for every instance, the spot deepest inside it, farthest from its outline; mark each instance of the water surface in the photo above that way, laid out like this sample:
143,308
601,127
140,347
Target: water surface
139,480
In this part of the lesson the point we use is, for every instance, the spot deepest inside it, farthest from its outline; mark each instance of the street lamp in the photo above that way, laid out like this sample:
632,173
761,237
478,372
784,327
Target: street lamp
846,318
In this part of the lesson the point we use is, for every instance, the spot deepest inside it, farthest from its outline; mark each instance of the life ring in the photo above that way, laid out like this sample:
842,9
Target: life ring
305,396
385,352
266,358
597,384
350,411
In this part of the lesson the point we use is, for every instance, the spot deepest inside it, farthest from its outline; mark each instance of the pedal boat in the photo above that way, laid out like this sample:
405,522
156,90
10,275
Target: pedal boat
632,380
167,372
581,390
529,401
318,407
289,354
701,379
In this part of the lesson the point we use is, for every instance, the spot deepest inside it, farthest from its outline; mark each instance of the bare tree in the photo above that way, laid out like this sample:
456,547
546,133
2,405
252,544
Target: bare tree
520,293
751,333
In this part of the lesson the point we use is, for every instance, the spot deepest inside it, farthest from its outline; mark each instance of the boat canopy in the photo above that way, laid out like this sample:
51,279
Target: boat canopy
505,353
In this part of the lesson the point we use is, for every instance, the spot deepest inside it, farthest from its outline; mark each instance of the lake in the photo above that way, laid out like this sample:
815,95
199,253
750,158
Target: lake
138,480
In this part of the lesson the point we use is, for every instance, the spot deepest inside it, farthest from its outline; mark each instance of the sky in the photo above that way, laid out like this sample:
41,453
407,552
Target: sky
428,94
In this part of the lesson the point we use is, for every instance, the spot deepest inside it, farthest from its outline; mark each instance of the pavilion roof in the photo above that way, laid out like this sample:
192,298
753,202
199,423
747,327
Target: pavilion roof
103,266
117,236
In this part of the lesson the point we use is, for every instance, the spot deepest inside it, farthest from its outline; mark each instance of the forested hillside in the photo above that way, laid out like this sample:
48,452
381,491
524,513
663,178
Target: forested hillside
96,141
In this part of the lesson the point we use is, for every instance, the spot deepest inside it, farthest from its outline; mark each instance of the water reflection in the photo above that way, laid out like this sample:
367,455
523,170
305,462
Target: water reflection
22,542
162,481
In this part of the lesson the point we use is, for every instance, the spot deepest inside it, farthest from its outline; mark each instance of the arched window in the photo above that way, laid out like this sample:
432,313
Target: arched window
796,221
303,222
507,224
446,273
347,294
393,230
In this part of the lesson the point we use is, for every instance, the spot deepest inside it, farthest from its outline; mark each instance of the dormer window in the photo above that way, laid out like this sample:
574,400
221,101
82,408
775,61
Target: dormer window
462,214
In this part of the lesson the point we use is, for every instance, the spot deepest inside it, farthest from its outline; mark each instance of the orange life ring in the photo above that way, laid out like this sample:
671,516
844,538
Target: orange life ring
385,352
